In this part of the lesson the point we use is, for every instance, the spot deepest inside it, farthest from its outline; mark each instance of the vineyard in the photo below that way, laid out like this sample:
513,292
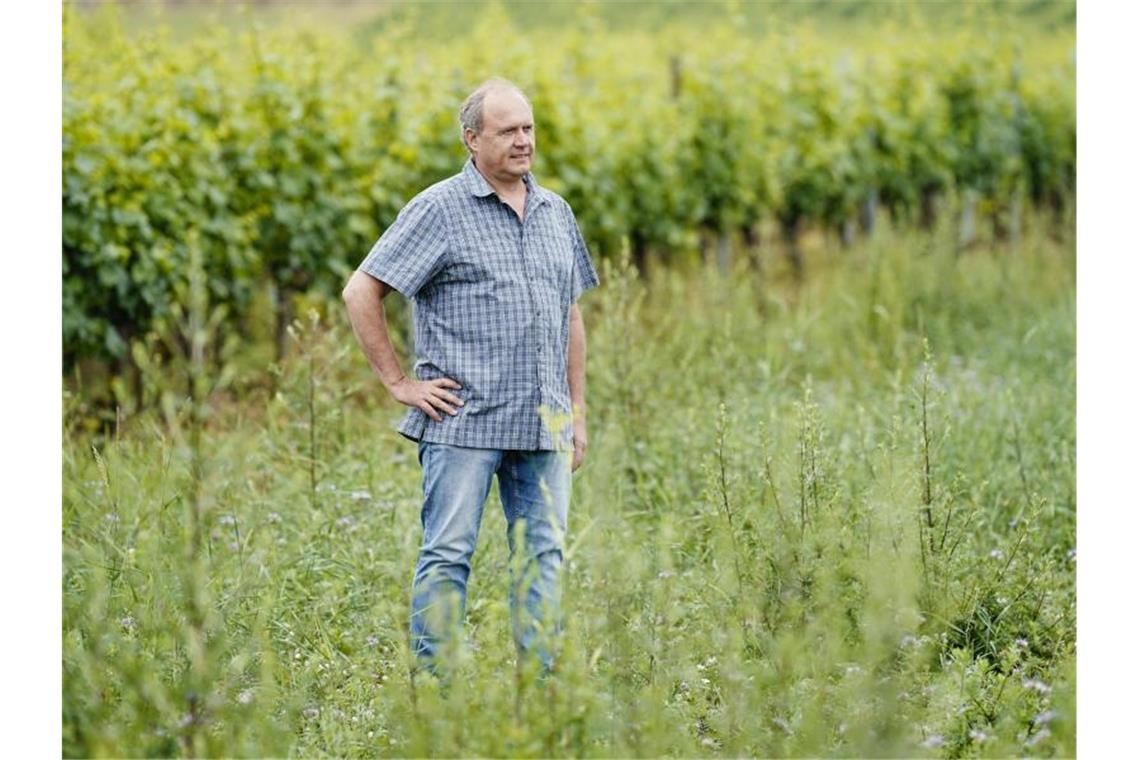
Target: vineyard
829,505
282,153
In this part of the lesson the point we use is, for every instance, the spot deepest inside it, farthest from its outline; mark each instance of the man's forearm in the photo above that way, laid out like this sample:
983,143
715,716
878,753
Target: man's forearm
366,312
576,363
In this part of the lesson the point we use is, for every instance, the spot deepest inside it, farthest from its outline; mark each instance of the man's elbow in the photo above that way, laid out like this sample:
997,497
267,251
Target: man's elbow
363,287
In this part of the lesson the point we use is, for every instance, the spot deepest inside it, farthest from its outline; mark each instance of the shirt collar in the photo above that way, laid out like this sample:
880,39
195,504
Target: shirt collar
479,186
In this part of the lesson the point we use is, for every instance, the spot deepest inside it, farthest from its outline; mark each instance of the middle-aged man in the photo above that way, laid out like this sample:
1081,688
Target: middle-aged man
494,265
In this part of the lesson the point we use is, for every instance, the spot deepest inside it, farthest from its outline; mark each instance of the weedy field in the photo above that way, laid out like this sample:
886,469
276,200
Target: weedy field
832,518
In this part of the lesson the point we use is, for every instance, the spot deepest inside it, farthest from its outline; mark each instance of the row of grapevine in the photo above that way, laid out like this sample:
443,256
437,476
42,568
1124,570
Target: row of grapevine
287,151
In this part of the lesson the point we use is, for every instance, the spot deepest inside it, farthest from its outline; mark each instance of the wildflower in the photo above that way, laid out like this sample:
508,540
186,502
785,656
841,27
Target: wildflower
359,495
273,517
227,519
707,742
932,741
112,517
1021,642
346,522
996,554
782,724
128,622
978,735
372,640
1038,737
1072,555
1037,685
311,712
1045,717
245,697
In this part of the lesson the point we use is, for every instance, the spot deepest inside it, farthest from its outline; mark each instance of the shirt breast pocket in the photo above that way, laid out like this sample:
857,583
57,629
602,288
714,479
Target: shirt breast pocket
557,263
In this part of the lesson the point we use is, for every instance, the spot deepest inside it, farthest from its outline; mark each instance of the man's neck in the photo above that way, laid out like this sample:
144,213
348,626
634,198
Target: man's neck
506,189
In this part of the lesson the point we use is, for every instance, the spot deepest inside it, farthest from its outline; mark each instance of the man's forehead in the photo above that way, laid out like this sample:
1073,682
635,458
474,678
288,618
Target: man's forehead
506,105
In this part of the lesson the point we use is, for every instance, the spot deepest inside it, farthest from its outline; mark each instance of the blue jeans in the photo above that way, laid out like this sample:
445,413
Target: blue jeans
534,487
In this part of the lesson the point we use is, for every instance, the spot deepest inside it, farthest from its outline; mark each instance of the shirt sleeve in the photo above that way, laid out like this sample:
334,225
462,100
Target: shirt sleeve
585,276
412,250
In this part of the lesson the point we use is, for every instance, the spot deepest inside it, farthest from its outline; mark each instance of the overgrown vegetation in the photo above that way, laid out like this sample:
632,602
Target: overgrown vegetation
826,517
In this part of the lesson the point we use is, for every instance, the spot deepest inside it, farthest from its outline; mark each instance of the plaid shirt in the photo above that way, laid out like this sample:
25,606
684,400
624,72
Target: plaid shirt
491,296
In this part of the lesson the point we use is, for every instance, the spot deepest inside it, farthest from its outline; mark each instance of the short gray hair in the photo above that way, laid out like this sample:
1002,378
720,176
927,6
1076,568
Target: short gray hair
471,112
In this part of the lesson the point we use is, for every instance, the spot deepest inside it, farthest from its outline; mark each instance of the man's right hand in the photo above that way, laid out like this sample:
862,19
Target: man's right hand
428,395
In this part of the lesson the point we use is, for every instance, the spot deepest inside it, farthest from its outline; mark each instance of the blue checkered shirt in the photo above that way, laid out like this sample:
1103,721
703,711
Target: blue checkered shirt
491,296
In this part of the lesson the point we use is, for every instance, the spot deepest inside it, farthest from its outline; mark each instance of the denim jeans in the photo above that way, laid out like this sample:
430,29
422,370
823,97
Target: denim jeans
534,487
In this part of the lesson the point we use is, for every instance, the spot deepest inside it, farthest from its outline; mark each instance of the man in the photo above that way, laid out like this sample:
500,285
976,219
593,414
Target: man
494,265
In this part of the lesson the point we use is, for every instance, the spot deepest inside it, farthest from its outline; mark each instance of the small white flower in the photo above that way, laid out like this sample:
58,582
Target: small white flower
1021,642
978,735
346,522
996,554
311,712
1037,685
111,517
372,641
273,517
707,742
1072,555
227,519
932,741
359,495
127,622
245,697
1045,717
1038,737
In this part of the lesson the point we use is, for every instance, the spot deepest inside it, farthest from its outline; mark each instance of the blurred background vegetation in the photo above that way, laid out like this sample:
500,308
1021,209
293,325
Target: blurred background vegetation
282,138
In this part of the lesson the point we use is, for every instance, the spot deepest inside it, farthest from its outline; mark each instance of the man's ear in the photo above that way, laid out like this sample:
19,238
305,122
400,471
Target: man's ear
468,136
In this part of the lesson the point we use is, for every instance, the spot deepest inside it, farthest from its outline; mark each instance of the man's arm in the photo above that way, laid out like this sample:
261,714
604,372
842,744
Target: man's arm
364,297
576,378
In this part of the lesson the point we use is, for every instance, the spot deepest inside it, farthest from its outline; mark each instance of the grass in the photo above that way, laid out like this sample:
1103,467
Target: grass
828,519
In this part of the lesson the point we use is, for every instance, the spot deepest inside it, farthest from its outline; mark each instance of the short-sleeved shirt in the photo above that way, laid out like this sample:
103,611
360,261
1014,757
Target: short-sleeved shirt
491,301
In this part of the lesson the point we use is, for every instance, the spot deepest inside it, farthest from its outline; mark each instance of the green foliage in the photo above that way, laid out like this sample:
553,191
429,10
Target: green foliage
290,149
827,519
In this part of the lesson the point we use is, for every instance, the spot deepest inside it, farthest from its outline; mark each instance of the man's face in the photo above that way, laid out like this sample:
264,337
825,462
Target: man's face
505,147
